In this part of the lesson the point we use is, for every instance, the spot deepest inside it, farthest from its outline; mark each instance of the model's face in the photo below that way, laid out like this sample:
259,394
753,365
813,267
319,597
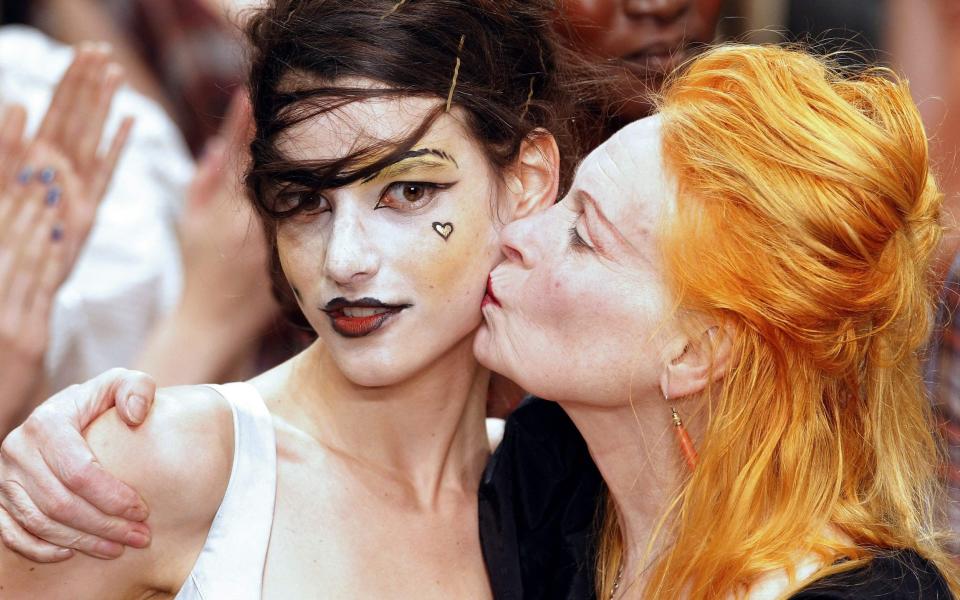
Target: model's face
579,310
649,37
391,271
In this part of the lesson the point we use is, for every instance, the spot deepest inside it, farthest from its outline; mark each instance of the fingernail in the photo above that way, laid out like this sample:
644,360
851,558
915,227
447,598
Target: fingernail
47,176
107,549
136,513
53,196
57,233
62,554
137,539
24,176
138,408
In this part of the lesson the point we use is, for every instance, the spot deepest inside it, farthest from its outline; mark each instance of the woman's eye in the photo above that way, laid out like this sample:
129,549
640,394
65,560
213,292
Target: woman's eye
406,195
576,240
301,202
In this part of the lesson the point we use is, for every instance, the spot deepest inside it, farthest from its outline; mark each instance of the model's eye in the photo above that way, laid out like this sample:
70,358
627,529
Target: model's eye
291,202
409,195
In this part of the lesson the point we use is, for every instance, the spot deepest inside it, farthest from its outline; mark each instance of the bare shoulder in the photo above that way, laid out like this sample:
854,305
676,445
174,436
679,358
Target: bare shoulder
179,459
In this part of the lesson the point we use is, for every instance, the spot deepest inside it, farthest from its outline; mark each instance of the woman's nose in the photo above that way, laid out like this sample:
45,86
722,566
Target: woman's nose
662,10
519,240
351,259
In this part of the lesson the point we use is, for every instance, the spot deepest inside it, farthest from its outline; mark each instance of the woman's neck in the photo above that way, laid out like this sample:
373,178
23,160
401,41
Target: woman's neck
634,447
428,430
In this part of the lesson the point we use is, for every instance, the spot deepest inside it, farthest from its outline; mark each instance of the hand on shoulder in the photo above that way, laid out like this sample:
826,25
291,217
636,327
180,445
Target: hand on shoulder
180,461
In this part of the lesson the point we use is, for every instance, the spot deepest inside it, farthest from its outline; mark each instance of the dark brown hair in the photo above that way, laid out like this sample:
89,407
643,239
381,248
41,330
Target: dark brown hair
514,78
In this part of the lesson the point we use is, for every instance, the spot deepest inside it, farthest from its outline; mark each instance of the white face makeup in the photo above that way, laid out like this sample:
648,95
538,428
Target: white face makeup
580,310
390,271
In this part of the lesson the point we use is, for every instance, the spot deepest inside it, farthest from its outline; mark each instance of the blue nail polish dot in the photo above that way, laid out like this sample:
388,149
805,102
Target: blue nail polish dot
24,175
57,233
47,176
53,196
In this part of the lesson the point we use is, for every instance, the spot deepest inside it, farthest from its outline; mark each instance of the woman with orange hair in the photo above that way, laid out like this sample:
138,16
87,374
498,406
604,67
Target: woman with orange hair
755,256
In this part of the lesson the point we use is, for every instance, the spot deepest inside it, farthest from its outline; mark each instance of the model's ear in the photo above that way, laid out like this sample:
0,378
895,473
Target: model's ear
534,179
696,361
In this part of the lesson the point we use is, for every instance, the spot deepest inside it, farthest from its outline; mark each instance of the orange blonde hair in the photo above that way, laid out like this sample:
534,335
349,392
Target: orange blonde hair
805,221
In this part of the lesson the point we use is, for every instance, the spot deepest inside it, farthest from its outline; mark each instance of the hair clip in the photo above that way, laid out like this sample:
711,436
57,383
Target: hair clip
395,8
526,105
456,73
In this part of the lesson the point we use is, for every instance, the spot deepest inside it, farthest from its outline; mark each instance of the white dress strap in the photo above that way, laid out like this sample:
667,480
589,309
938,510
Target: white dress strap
231,564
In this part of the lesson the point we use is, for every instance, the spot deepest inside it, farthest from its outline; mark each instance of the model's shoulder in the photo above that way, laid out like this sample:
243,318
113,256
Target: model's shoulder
179,459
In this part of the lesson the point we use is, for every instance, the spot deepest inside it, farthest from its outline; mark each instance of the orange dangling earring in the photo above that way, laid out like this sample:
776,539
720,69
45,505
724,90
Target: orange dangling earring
683,438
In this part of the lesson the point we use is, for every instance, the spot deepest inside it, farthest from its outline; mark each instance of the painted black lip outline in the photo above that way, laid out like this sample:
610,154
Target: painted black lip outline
356,327
338,304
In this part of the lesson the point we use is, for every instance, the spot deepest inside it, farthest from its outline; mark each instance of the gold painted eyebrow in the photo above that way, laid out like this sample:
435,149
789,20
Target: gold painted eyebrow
411,164
423,157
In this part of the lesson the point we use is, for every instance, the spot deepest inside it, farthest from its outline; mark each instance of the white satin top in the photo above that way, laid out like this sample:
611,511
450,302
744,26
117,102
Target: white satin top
230,565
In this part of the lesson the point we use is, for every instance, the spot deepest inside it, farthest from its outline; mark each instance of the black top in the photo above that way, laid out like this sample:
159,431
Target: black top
541,505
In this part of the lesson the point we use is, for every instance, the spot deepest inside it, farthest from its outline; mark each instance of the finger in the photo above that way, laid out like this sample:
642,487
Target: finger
62,104
45,235
135,394
33,520
238,129
17,539
18,242
45,270
57,425
91,84
209,171
91,132
108,163
11,142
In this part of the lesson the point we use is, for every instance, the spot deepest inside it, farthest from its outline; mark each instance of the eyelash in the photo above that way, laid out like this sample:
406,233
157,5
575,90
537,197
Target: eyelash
308,203
430,191
577,243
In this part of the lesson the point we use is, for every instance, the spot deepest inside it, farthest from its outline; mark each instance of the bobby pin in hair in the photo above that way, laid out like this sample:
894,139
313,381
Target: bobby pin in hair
526,105
456,73
395,8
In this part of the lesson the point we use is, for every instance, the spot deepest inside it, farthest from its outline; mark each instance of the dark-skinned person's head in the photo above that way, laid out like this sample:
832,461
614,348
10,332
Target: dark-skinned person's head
640,41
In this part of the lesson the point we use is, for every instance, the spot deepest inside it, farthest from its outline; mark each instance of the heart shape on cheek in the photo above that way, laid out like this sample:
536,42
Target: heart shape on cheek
443,229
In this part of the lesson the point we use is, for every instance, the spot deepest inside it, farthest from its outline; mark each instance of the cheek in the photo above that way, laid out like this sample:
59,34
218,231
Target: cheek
707,15
590,22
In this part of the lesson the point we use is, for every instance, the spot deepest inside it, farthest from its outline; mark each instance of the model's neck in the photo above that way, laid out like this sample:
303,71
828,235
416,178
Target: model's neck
428,430
635,450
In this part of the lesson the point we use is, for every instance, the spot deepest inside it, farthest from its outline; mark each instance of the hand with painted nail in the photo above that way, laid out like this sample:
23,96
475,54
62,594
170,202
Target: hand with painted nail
33,264
73,126
54,495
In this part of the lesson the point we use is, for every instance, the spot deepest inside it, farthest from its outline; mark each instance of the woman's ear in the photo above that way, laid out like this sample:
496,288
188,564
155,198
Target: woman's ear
696,362
534,179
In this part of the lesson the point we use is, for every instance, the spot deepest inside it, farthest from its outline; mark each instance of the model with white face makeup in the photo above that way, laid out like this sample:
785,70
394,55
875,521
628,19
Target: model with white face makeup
383,189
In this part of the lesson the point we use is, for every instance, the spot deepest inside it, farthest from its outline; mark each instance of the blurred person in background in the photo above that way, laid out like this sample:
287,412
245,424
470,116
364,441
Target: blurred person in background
153,275
924,40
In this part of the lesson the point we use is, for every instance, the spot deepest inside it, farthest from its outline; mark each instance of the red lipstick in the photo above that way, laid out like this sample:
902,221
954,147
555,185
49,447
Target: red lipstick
489,297
359,318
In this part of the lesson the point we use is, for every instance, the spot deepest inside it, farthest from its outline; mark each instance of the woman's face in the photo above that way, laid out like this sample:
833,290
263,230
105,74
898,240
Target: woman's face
390,271
649,37
578,311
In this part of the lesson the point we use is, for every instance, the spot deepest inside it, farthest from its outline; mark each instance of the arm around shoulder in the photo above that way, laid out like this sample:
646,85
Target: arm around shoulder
180,461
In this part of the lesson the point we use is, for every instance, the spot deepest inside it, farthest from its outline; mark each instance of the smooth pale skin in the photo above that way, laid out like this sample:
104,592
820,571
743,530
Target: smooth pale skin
377,485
